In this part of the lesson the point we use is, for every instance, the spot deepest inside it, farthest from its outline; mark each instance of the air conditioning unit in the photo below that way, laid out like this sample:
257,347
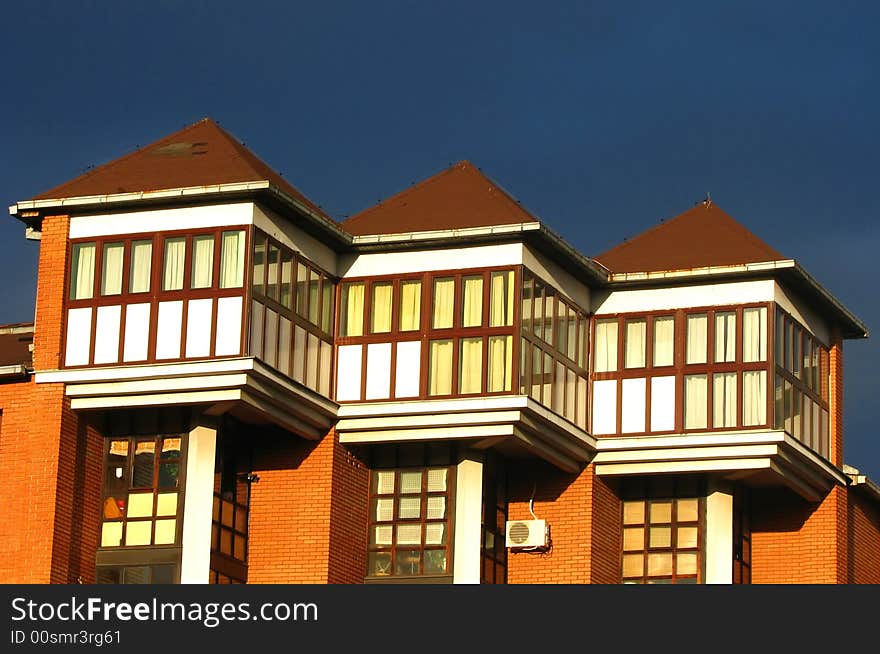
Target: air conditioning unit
526,533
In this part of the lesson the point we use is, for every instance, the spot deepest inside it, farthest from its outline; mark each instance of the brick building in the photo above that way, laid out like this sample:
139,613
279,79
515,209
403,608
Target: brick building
223,384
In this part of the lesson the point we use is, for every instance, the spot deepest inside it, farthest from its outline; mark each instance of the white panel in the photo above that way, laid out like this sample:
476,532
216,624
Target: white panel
168,330
605,406
107,324
148,222
79,336
378,371
198,327
390,263
662,403
682,297
228,326
348,373
195,562
137,332
407,368
632,400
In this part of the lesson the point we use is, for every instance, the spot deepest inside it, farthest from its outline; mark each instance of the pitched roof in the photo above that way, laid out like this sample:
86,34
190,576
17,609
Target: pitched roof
202,154
700,237
459,197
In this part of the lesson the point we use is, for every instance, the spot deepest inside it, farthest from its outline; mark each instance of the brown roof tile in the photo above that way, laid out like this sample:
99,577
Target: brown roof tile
202,154
457,198
700,237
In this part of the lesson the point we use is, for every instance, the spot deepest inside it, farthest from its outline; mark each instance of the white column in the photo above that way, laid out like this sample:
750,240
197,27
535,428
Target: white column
198,506
468,513
719,535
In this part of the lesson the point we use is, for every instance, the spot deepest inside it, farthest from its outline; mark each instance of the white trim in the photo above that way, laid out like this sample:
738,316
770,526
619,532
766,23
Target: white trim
145,371
195,397
428,433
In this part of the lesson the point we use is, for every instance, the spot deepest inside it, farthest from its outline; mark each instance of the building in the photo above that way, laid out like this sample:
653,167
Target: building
227,385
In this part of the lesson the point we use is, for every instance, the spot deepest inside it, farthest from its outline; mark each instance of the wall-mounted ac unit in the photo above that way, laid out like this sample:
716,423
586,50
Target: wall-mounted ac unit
526,533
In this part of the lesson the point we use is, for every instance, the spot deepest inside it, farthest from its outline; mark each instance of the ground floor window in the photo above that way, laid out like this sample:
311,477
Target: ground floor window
137,574
411,497
662,526
229,521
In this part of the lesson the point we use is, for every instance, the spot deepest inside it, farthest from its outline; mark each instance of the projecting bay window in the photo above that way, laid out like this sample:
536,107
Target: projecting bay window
801,384
554,350
694,370
146,298
444,334
292,311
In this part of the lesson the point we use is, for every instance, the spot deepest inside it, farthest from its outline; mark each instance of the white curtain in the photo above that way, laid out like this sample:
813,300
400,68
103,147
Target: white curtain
410,304
470,365
352,310
380,310
664,339
695,401
754,397
440,368
175,251
141,260
472,303
203,261
501,299
444,303
605,356
232,260
725,337
634,356
111,280
755,334
500,359
82,272
724,400
696,338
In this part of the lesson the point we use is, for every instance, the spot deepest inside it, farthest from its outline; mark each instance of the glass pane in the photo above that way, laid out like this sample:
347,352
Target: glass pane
472,302
634,513
406,562
754,397
202,261
315,297
725,336
501,299
686,563
144,453
140,505
687,538
661,511
634,355
137,574
381,535
500,363
409,507
238,547
168,475
410,304
384,509
82,271
232,260
170,449
435,533
380,308
687,510
633,565
383,482
351,309
175,256
695,402
138,533
328,296
411,482
440,367
660,564
634,539
755,334
444,303
436,508
166,504
724,399
437,480
409,534
470,365
660,537
605,357
286,293
696,338
379,564
111,534
111,277
538,302
165,532
302,289
664,341
273,262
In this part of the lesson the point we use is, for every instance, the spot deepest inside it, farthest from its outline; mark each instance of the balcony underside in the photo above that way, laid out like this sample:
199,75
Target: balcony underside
515,425
760,459
243,387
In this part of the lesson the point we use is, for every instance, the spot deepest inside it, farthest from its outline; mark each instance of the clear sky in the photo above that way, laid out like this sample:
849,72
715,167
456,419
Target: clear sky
601,117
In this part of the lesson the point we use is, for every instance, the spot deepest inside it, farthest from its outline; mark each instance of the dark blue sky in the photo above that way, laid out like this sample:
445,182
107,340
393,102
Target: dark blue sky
601,117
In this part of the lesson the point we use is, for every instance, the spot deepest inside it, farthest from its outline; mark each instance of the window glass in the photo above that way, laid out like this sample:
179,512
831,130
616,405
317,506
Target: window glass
302,290
754,397
175,257
472,302
259,265
634,356
410,304
470,376
380,308
315,297
111,278
232,259
500,363
695,401
755,334
328,291
696,338
444,303
82,271
501,299
724,399
286,286
664,340
202,261
141,266
725,336
440,367
605,355
351,309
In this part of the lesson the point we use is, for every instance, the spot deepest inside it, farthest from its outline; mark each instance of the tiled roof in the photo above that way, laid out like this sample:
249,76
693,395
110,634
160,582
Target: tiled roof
700,237
459,197
202,154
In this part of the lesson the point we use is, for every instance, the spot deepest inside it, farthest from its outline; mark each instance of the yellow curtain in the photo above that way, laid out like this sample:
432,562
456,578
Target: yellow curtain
111,280
634,356
501,299
664,337
175,250
380,310
500,356
754,397
232,259
724,400
352,309
444,302
472,305
470,378
203,260
440,368
141,256
410,305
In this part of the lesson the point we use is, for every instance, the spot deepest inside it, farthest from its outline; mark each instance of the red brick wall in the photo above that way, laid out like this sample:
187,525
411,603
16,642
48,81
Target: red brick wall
348,517
583,514
51,291
835,426
797,542
864,539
